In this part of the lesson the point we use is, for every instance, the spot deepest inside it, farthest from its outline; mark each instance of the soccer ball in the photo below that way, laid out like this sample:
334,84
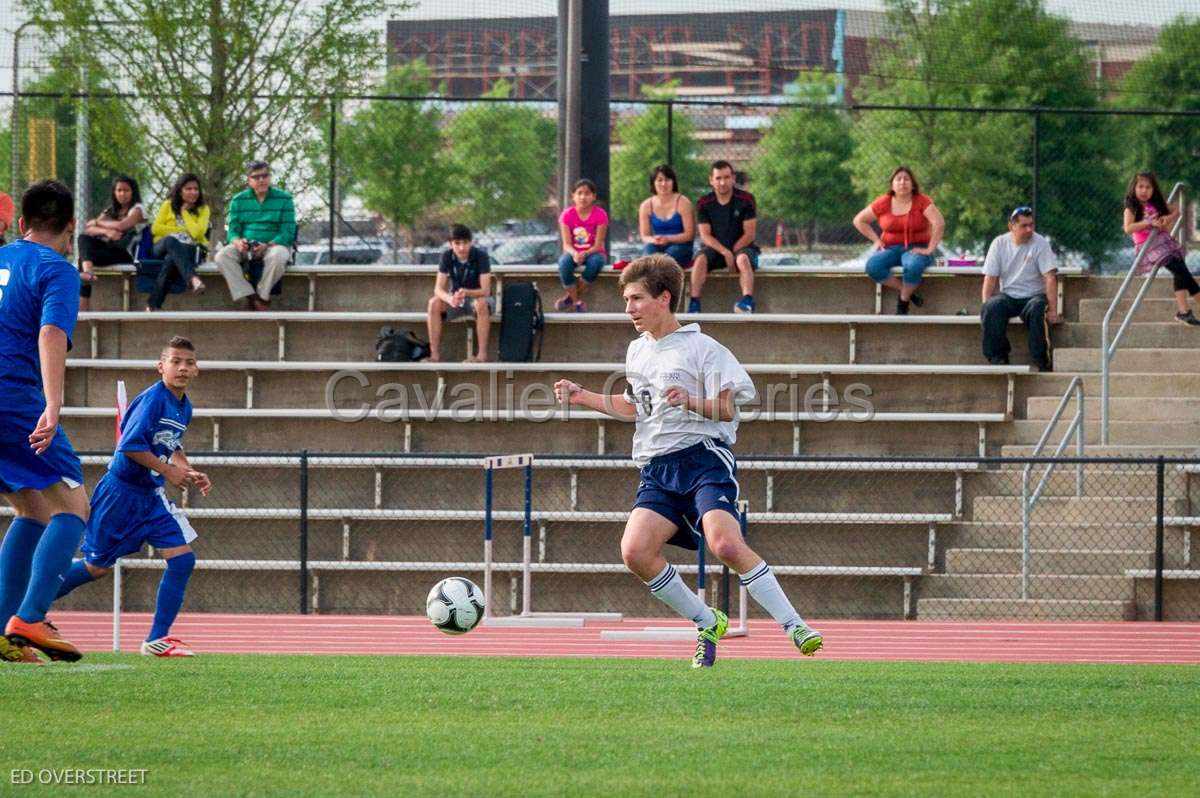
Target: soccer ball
455,605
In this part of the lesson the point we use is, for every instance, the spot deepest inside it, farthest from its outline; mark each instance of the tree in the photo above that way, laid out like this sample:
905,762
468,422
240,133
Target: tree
988,53
221,82
1167,79
394,149
801,174
643,145
502,160
114,138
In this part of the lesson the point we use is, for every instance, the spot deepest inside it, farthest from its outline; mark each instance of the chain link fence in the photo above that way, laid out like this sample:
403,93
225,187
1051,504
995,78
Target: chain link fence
955,539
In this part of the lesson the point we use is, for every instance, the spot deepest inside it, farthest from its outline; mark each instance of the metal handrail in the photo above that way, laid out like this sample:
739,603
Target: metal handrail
1029,499
1109,350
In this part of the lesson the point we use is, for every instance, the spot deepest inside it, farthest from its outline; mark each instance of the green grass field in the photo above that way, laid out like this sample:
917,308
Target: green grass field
275,725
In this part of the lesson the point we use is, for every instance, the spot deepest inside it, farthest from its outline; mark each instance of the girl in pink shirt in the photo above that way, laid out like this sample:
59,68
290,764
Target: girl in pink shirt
583,227
1146,211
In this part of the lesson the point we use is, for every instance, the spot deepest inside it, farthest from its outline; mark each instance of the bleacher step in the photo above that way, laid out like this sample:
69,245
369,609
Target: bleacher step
1140,360
1122,408
1047,561
1055,533
1098,587
1073,509
1161,433
973,609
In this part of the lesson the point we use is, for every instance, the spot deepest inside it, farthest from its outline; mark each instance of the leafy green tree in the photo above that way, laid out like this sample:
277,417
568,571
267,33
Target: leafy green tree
501,160
988,53
1168,79
224,81
642,145
801,174
395,151
114,138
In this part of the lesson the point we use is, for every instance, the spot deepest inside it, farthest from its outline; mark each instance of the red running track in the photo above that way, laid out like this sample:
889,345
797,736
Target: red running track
914,641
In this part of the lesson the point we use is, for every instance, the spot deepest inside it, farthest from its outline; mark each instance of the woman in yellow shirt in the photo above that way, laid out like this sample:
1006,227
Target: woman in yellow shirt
180,228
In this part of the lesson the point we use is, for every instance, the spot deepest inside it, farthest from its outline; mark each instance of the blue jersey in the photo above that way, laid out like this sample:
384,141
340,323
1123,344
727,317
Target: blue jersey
37,287
154,422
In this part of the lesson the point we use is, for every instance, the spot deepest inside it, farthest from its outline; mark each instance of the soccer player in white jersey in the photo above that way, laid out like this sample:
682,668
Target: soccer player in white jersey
684,388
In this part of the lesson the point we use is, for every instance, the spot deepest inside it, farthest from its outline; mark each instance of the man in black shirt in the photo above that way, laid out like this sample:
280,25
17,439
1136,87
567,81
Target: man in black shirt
463,289
726,219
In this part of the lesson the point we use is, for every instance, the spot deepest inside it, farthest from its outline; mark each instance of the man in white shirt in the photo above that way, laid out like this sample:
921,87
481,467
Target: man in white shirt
1021,267
684,388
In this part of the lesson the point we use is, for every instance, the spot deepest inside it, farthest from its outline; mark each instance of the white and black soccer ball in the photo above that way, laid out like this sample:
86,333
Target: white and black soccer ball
455,605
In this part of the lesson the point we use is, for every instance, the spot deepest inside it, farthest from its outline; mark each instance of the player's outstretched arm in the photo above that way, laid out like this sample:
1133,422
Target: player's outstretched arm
615,405
52,351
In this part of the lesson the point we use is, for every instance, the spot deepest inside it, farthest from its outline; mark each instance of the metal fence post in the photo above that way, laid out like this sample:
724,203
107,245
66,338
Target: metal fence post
333,203
1158,538
670,131
304,532
487,541
1037,166
527,554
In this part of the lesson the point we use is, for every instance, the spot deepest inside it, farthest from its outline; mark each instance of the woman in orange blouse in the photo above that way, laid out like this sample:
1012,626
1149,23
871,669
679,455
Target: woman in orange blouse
911,228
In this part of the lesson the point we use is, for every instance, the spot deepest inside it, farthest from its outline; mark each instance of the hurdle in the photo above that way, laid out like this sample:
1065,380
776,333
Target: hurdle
652,633
527,616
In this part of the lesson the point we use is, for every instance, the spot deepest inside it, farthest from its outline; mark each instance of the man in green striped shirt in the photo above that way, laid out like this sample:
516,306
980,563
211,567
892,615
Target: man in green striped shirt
261,224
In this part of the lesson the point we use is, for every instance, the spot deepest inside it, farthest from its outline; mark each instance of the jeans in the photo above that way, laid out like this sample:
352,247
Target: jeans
994,317
101,252
178,259
881,263
681,253
592,265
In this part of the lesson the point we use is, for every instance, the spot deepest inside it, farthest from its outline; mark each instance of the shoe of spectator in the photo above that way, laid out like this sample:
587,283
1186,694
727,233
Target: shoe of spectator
901,307
917,300
744,305
1043,367
694,305
1188,318
997,361
262,304
250,303
564,303
581,307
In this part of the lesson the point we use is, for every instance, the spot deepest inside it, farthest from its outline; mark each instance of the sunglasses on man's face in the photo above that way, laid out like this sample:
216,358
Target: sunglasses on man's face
260,176
1024,210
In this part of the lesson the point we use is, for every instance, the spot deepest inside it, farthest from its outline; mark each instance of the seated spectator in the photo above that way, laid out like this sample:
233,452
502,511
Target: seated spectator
727,220
584,228
7,214
1146,210
911,228
261,225
666,219
1021,266
180,230
110,238
463,289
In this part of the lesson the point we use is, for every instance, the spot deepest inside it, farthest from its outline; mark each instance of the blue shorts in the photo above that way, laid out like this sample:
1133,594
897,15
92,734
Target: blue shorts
21,468
125,516
682,486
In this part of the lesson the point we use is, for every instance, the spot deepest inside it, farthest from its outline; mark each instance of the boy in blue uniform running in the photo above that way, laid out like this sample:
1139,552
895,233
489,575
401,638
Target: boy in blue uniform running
130,506
40,475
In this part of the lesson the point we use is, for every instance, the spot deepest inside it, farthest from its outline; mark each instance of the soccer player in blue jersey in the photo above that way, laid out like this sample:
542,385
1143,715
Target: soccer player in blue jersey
130,506
40,475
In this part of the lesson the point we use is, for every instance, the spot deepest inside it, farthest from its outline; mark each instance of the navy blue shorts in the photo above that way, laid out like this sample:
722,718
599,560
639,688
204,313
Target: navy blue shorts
125,516
21,468
682,486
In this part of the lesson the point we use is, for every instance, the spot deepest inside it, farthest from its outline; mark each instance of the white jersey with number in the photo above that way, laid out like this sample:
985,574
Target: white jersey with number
695,362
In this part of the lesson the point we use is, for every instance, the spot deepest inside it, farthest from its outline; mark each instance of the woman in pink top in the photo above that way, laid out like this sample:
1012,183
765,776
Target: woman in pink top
583,227
1146,210
7,211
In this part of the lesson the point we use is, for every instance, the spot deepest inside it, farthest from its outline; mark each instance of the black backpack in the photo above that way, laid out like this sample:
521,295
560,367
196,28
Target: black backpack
399,346
521,323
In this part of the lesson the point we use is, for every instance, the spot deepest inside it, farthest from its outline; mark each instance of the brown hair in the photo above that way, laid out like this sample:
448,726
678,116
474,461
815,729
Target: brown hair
911,176
179,342
658,272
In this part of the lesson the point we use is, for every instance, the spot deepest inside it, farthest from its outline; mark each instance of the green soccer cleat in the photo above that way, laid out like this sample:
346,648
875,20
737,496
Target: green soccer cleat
706,641
806,639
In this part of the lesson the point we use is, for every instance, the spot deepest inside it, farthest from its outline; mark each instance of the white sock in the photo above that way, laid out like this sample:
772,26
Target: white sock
765,589
668,587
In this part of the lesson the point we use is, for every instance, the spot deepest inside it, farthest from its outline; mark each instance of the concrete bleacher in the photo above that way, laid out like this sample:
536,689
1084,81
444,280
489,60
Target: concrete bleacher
932,542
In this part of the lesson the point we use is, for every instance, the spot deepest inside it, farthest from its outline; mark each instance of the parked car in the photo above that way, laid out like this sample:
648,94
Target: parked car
356,253
528,250
493,235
